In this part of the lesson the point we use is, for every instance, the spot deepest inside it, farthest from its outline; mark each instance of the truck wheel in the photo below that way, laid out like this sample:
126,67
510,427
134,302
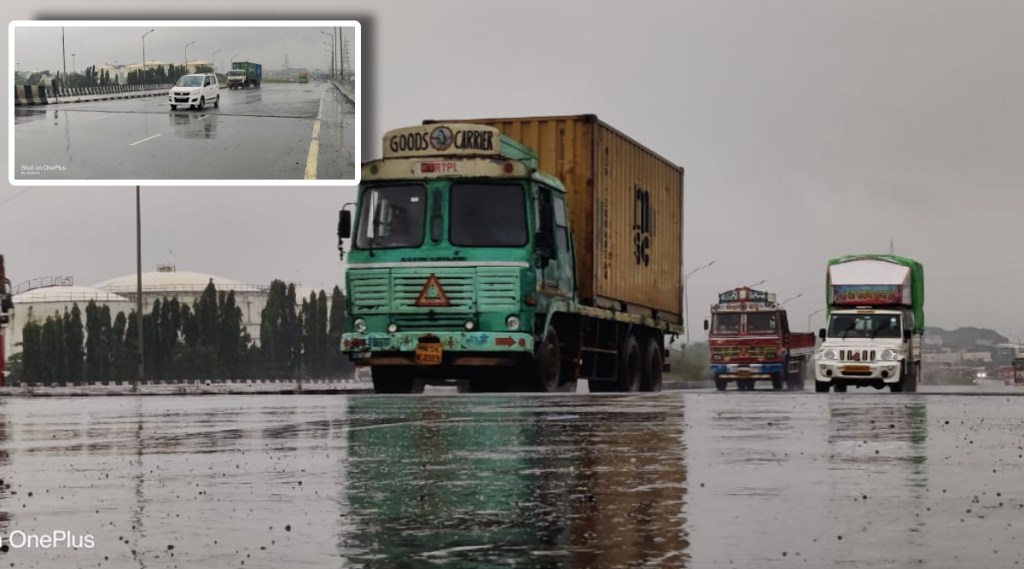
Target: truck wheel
651,378
777,382
548,367
395,379
720,384
820,387
630,366
911,380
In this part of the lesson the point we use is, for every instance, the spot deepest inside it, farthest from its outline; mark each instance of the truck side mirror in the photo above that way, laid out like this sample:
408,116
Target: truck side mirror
344,224
821,333
907,333
706,324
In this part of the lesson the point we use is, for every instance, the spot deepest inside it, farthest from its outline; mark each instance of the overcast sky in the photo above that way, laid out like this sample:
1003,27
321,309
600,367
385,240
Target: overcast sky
39,48
808,129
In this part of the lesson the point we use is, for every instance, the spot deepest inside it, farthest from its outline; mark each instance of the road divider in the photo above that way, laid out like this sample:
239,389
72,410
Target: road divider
30,95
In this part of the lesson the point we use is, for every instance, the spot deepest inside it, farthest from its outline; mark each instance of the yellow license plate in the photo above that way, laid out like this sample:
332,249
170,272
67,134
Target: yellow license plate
743,372
429,354
857,369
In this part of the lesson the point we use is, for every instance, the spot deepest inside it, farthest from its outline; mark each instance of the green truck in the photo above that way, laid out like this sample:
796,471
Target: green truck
875,324
244,74
514,254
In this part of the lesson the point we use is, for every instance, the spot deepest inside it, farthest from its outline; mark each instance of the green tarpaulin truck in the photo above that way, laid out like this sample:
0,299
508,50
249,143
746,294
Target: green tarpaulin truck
244,74
875,324
514,254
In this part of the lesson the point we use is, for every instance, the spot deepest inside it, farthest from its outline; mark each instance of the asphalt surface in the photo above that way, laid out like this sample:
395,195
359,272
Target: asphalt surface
674,479
263,133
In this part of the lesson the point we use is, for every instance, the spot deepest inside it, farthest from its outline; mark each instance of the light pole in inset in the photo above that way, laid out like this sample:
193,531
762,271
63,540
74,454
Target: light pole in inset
213,60
686,299
186,55
142,79
333,45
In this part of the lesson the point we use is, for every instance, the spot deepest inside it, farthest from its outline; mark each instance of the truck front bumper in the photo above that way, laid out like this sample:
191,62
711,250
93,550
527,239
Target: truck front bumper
857,372
746,371
460,348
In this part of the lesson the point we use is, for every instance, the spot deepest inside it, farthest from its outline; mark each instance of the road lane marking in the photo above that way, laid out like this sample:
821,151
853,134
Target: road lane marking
98,118
314,150
203,117
145,139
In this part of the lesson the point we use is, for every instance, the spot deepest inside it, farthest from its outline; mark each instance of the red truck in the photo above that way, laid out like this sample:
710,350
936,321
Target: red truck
750,340
6,306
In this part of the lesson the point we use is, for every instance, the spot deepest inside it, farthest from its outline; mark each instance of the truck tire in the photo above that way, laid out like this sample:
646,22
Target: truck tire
653,361
777,382
721,384
630,365
547,369
821,387
393,379
913,378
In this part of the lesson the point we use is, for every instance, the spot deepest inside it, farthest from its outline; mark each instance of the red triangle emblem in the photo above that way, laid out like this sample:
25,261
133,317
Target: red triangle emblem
432,294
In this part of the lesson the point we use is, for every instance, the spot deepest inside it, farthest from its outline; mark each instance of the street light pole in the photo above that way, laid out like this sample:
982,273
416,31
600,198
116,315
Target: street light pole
213,60
142,79
333,45
186,55
812,315
138,284
758,283
686,299
791,298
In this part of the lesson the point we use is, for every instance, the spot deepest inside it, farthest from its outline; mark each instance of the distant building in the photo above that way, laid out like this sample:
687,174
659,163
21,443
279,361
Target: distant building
52,297
187,287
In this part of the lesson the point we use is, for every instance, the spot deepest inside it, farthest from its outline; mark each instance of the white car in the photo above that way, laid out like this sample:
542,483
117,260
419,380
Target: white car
195,90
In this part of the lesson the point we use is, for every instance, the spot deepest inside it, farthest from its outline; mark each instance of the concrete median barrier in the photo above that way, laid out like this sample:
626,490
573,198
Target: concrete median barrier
30,95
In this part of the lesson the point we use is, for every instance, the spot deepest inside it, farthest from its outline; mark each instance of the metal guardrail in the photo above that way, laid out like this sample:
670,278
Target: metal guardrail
41,282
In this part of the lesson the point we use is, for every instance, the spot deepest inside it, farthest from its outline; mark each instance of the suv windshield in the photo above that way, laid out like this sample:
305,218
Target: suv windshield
487,215
392,217
865,326
190,81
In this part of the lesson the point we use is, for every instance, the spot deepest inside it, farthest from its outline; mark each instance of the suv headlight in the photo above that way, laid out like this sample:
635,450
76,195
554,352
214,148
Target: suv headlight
359,324
889,355
828,354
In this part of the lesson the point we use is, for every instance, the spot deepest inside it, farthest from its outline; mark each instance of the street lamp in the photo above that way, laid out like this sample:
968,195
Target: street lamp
686,299
791,298
186,55
73,69
143,78
233,60
213,60
333,45
812,315
758,283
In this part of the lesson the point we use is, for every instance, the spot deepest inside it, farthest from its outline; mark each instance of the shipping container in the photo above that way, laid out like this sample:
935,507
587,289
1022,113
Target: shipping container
626,205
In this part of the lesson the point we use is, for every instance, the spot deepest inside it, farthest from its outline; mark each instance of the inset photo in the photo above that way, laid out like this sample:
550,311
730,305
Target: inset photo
173,103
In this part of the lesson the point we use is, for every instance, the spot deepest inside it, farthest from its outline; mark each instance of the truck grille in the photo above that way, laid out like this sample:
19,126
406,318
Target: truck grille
745,352
469,290
857,355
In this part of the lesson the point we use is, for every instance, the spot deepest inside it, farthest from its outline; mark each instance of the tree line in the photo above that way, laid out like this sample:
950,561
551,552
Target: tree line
204,340
91,77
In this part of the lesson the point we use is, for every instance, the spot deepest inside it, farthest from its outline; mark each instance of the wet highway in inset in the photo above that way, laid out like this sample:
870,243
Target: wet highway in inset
675,479
260,133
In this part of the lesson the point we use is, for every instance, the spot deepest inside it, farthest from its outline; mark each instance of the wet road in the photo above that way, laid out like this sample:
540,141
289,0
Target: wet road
676,479
264,133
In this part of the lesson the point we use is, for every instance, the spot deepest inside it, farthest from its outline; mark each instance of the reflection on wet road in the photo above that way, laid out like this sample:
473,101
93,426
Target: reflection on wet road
674,479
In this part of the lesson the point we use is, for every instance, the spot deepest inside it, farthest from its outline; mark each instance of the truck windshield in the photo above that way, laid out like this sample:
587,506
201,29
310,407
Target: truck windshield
726,324
391,217
235,72
865,326
762,323
487,215
190,81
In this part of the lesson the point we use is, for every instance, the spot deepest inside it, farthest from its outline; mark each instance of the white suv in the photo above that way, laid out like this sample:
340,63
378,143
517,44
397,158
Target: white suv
195,90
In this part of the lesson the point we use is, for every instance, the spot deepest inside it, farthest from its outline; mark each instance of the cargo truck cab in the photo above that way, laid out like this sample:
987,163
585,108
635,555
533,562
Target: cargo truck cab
462,267
875,325
750,341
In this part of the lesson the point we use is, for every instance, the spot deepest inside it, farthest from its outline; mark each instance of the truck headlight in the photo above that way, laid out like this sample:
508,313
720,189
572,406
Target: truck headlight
470,325
888,355
392,327
512,322
828,354
360,325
